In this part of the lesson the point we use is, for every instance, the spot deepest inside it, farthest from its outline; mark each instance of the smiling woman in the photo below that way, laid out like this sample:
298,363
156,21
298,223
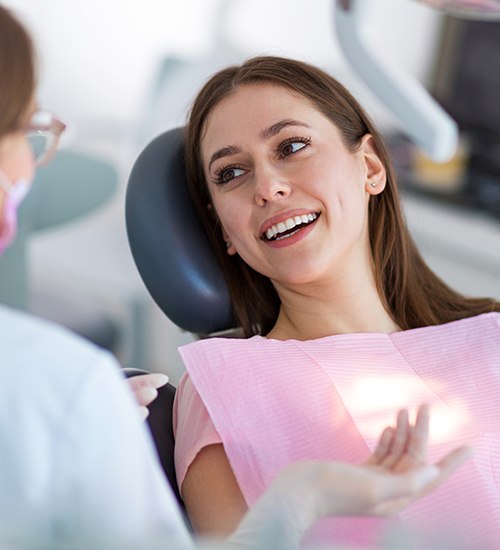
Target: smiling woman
406,286
296,191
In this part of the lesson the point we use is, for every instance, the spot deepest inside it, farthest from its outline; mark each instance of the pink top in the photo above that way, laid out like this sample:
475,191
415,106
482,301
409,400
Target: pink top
277,402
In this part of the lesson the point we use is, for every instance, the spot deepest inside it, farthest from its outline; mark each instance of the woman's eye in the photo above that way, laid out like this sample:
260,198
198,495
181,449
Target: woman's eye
290,147
226,175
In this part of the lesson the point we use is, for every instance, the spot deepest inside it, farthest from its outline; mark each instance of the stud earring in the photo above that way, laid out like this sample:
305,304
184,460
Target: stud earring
228,244
373,184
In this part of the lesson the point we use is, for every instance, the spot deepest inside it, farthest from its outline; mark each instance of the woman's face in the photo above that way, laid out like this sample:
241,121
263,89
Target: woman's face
291,198
16,156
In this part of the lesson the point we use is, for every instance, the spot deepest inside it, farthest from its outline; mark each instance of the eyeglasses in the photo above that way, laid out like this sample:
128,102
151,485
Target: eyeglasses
43,133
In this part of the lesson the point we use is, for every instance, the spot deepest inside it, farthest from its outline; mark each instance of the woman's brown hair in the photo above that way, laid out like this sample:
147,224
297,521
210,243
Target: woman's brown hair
410,291
17,72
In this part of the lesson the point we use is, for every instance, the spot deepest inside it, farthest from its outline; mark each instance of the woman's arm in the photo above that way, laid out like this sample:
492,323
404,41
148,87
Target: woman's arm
213,499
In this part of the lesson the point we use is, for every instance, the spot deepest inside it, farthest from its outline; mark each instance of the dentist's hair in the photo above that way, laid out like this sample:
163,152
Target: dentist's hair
412,294
17,72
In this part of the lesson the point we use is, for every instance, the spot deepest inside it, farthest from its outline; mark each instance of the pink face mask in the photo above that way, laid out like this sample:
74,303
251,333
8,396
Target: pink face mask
15,193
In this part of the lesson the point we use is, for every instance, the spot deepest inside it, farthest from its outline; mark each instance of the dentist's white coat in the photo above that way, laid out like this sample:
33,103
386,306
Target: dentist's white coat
76,463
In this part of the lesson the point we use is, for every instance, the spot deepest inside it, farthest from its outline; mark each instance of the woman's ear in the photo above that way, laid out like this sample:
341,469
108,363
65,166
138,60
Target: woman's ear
231,250
376,176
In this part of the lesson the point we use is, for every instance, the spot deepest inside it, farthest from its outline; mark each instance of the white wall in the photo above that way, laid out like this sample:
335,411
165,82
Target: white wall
98,57
98,61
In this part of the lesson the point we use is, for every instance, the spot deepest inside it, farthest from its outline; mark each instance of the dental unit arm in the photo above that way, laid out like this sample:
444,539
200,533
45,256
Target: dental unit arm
419,115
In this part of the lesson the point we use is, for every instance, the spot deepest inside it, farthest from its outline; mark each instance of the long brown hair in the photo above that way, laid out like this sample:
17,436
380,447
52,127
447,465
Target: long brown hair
17,72
410,291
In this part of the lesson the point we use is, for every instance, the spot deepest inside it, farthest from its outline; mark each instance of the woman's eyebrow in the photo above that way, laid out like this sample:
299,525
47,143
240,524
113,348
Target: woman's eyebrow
267,133
278,126
223,152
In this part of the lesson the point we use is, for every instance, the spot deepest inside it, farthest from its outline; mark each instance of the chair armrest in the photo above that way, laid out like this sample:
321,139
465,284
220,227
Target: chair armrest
161,427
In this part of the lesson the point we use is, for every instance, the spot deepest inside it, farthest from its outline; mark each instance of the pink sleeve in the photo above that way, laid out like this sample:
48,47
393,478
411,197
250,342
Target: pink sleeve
193,427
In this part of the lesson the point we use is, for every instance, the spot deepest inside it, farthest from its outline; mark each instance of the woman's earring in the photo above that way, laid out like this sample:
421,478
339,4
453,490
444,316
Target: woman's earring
373,184
230,248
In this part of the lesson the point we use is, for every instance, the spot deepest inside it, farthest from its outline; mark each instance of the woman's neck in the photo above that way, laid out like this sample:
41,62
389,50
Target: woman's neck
316,311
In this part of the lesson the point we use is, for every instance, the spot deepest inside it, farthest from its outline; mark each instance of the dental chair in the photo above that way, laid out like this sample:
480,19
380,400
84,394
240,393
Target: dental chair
176,263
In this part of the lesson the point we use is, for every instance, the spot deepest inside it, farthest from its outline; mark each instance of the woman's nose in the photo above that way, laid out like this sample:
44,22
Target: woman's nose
270,185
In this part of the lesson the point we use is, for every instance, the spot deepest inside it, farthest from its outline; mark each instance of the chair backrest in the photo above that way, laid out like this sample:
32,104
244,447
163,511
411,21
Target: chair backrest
169,246
175,261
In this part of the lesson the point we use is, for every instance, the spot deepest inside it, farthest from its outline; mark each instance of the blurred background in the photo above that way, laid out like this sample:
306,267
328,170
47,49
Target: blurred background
119,72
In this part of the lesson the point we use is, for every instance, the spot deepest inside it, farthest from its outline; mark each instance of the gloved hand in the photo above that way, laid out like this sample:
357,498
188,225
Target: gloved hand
144,388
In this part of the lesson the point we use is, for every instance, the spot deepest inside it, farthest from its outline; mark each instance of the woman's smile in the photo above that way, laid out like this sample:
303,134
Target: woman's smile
286,230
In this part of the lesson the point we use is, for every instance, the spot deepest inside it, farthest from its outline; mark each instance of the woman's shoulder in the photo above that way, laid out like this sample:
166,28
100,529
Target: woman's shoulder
491,319
463,331
214,358
482,320
222,348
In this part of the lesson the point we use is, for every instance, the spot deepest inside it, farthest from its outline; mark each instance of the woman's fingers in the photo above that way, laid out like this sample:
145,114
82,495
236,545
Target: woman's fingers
419,437
403,447
399,440
383,446
392,443
417,443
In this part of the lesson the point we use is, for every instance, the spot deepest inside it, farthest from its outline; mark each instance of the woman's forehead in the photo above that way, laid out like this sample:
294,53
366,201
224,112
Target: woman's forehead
258,96
253,107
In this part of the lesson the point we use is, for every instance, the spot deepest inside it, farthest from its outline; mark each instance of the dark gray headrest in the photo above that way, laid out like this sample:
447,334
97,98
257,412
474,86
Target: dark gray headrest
169,246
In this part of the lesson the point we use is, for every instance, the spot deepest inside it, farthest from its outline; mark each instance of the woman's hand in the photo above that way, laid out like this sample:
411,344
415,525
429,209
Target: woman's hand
396,474
144,388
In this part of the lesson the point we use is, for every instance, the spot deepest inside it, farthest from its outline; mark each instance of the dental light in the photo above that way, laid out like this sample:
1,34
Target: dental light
419,115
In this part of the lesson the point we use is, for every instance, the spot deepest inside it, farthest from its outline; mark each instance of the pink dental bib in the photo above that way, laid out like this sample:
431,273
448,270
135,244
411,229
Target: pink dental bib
278,402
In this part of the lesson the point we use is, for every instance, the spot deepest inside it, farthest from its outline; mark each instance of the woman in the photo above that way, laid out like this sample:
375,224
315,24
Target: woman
297,194
77,466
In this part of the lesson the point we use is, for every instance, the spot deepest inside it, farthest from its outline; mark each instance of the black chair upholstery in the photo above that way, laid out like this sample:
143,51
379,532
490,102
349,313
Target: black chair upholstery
169,246
160,425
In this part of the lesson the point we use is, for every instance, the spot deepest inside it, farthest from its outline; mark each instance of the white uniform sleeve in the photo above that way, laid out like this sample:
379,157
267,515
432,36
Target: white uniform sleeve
121,489
76,462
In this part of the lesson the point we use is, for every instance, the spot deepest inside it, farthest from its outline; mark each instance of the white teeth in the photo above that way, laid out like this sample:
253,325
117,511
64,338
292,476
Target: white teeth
289,223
